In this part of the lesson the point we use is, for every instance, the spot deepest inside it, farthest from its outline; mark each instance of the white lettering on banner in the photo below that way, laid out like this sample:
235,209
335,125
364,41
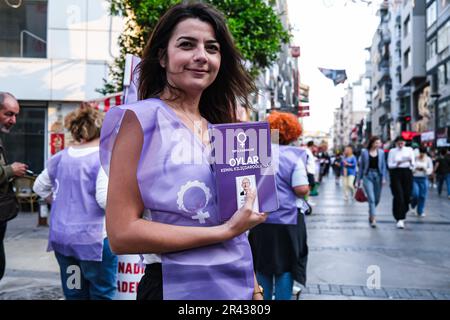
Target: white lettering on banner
242,162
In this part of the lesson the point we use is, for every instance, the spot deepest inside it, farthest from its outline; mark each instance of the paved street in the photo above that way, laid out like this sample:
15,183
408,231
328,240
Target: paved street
413,263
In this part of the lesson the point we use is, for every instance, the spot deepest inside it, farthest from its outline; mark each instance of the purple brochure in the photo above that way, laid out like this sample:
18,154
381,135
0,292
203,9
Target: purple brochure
242,160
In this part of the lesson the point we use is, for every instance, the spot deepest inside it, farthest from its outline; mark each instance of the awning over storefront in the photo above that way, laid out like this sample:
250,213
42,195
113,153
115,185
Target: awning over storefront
104,104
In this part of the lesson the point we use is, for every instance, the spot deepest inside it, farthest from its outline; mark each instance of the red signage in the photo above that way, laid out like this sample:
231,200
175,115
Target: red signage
56,142
409,135
303,114
303,108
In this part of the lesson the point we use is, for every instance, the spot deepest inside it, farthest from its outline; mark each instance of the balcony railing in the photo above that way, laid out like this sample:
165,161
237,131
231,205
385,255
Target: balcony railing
32,35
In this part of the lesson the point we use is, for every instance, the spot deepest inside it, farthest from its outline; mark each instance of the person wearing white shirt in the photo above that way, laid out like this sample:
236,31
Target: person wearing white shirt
401,161
76,186
310,168
422,169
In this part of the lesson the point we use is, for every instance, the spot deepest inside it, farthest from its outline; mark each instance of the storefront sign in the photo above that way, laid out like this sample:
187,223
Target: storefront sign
427,136
442,142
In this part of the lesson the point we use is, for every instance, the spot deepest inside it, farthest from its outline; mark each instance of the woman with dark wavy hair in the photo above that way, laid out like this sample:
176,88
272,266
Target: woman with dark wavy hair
162,193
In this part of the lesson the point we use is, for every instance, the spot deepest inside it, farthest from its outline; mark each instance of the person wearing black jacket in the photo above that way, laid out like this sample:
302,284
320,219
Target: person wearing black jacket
9,109
442,171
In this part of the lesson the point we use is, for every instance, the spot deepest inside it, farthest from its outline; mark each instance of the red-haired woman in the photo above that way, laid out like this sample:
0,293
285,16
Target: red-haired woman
279,245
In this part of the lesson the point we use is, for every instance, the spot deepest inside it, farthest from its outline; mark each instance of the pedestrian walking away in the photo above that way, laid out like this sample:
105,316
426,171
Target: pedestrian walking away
372,175
9,110
348,166
279,245
310,169
337,167
191,75
401,161
442,171
76,185
423,167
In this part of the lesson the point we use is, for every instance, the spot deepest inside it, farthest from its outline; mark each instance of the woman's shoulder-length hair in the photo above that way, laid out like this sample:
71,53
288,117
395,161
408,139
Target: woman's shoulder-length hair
233,84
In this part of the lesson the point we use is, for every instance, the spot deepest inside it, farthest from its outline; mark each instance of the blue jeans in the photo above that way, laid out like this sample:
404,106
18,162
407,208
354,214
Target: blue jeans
97,281
440,182
419,193
372,187
283,285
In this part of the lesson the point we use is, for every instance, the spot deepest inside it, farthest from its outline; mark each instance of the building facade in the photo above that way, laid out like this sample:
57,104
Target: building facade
411,97
434,111
279,85
350,117
413,77
53,55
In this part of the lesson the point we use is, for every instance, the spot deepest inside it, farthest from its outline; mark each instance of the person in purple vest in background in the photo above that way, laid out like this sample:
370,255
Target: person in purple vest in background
162,189
279,245
76,185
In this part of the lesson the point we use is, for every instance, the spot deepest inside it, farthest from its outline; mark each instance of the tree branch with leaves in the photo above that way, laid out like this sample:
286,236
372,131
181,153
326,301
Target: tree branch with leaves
255,25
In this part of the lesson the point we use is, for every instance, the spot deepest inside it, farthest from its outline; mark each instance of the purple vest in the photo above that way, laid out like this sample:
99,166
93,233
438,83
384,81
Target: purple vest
177,185
288,157
76,223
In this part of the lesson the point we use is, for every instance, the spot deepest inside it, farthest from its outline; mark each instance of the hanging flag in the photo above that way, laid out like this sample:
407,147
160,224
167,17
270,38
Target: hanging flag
338,76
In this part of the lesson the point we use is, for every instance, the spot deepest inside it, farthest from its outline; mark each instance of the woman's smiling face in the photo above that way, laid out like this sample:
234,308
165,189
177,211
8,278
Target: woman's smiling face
193,56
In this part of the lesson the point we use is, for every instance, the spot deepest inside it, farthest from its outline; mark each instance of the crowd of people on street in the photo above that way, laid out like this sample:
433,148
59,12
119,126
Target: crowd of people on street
411,173
115,190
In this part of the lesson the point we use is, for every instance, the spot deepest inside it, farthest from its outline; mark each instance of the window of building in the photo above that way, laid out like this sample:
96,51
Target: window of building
23,29
442,76
431,14
431,48
444,114
406,26
407,58
443,37
447,70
